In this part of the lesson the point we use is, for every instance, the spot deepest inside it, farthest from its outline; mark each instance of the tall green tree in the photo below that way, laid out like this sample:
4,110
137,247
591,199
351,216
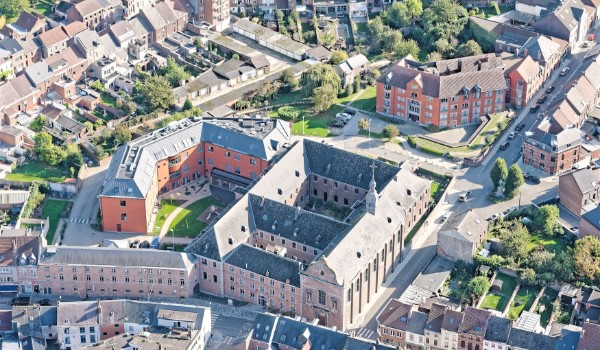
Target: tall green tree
398,15
42,142
187,105
318,76
515,241
514,180
12,8
587,257
545,219
499,172
121,135
324,97
73,157
470,48
155,93
338,56
38,123
415,8
288,77
444,19
174,73
477,287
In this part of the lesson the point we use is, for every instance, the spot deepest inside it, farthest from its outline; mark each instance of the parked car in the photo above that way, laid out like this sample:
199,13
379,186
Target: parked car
44,302
21,301
352,112
533,179
464,196
444,217
504,145
337,123
542,99
520,126
550,88
587,44
535,108
564,71
135,244
512,135
540,115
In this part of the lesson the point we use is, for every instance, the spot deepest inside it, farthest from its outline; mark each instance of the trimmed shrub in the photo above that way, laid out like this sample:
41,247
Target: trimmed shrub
411,142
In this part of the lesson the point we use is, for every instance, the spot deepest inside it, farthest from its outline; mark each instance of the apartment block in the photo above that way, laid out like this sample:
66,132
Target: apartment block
445,93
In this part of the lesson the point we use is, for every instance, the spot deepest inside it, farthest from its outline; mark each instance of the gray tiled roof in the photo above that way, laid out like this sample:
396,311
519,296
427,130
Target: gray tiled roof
11,45
179,312
498,329
294,334
96,256
530,340
590,338
121,311
79,313
416,323
39,72
465,225
593,217
541,48
264,325
474,322
299,225
586,179
265,264
394,315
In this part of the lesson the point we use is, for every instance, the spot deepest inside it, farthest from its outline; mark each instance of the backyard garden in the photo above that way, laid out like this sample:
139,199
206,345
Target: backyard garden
37,171
55,209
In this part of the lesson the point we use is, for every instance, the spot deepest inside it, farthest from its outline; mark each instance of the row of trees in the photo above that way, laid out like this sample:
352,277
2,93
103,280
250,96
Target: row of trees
512,179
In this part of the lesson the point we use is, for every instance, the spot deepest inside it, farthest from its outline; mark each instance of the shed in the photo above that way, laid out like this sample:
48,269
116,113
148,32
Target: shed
484,270
497,285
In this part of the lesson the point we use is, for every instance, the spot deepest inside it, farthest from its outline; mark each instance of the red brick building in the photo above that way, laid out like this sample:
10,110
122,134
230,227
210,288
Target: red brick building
444,93
230,152
524,79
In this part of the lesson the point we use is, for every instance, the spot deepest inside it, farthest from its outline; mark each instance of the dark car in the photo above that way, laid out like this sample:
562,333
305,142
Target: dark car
550,88
21,301
504,145
542,99
336,123
44,302
533,179
520,126
535,108
350,111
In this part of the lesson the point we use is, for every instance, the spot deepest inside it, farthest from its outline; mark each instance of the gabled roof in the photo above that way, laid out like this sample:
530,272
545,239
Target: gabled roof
527,68
13,248
465,226
394,315
29,22
498,329
593,217
74,28
586,179
11,45
590,337
541,48
52,36
88,7
259,61
357,61
416,323
83,313
436,317
474,322
530,340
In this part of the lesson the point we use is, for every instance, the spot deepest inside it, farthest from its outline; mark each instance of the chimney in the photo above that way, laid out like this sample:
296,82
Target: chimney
478,64
14,246
459,65
287,281
262,201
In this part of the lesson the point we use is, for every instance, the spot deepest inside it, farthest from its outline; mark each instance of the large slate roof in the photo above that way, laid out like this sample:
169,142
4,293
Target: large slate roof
498,329
436,317
264,263
519,338
474,322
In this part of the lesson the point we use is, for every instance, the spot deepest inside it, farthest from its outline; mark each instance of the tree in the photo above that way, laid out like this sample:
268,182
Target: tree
470,48
288,76
392,39
324,97
12,8
89,126
73,157
587,257
2,21
398,15
187,105
42,142
156,93
434,56
376,27
279,15
414,7
294,16
38,123
499,172
515,241
477,287
444,19
363,124
318,76
97,85
514,180
338,56
174,73
544,220
407,47
563,266
356,84
390,131
121,135
349,89
528,277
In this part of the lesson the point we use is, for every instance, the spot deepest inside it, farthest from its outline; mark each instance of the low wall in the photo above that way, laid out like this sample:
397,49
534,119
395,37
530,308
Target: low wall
33,221
484,121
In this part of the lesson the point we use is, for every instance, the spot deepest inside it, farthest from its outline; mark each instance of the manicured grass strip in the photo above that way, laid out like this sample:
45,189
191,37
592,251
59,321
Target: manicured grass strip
523,301
366,101
186,223
494,301
167,206
53,209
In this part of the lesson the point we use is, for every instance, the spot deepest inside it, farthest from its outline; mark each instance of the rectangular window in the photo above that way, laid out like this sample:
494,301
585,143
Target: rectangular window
123,203
252,161
322,296
123,217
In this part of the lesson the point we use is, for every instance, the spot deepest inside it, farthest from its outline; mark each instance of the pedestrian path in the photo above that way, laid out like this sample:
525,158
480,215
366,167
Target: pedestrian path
366,333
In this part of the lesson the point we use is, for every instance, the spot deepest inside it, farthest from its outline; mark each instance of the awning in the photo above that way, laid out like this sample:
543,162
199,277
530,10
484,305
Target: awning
227,176
9,288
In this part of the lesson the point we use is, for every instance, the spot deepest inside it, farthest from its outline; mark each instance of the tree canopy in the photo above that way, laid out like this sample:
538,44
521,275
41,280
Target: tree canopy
155,93
587,257
477,287
545,219
398,15
324,97
338,56
12,8
174,73
514,180
318,76
499,172
470,48
444,19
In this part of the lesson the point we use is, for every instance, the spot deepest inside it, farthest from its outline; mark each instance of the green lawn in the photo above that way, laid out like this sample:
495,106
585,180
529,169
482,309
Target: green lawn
38,171
554,244
549,296
508,284
434,188
285,98
316,125
186,223
494,301
44,7
362,28
108,99
523,301
53,209
491,11
166,208
366,101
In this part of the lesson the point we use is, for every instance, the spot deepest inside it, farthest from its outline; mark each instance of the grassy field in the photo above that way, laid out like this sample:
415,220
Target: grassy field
362,28
108,99
166,208
523,301
508,283
546,300
490,11
554,244
53,209
38,171
186,223
44,7
366,101
286,98
491,130
494,301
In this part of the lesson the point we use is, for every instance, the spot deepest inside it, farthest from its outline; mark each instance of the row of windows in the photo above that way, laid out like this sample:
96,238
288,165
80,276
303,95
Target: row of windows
126,279
114,270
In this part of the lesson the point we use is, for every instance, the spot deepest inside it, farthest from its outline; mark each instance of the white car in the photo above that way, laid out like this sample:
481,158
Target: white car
444,217
512,135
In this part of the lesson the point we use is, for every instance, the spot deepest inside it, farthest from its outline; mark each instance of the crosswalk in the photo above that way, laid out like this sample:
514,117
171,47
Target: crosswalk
79,221
366,333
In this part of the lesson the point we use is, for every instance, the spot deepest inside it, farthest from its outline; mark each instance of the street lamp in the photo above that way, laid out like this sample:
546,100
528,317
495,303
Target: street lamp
369,133
302,124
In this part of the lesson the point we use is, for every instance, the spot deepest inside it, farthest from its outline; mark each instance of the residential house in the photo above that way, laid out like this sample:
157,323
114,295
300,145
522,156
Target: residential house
133,7
473,328
122,33
415,330
19,265
570,21
112,272
524,340
12,136
353,67
70,65
589,224
15,54
548,52
18,94
27,24
35,326
53,41
89,43
587,306
497,332
461,235
77,324
443,93
433,327
450,326
96,14
392,322
590,337
579,189
74,28
105,70
162,20
524,80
